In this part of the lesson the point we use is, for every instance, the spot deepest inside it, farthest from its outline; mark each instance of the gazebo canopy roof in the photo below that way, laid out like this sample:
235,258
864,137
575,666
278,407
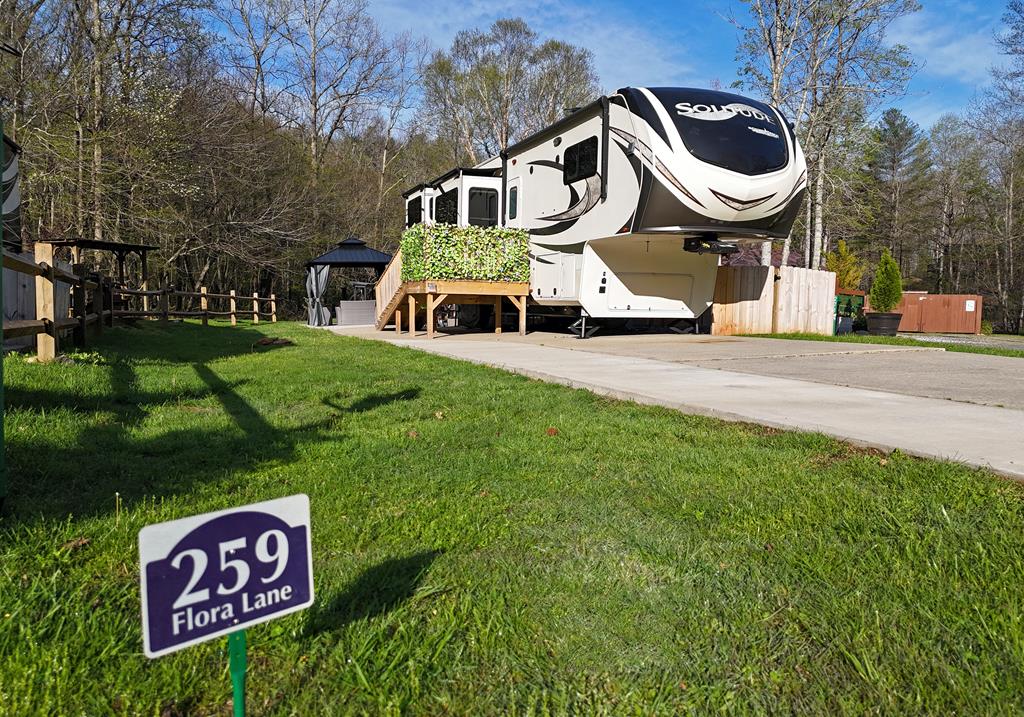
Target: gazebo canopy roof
352,252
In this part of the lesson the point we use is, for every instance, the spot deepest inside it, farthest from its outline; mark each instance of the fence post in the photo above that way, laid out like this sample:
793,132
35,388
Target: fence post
234,319
273,308
203,305
97,303
48,342
165,308
78,310
255,308
145,282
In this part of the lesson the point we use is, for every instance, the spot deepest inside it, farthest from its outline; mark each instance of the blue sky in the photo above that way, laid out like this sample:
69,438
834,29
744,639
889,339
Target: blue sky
661,42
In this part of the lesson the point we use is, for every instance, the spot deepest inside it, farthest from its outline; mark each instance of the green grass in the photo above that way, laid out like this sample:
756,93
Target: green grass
638,561
902,341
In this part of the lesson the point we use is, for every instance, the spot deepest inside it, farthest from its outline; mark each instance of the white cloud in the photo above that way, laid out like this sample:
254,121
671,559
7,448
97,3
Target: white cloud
624,52
927,109
957,47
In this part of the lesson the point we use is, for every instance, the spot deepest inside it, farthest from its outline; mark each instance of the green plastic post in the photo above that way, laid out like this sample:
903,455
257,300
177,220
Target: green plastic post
236,665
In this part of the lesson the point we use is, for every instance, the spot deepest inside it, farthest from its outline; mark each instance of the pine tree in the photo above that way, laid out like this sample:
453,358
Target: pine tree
848,267
887,288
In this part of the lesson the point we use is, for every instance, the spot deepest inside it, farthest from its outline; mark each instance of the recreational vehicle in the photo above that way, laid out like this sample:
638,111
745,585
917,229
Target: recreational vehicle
631,200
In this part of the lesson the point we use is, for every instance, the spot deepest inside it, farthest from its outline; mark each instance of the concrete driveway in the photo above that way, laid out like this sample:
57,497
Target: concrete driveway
933,373
924,401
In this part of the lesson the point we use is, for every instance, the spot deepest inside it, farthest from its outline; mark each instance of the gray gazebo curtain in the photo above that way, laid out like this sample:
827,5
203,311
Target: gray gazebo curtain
316,285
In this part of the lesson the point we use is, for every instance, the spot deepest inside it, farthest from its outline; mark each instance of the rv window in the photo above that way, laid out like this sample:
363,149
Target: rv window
513,202
447,207
414,211
483,207
580,161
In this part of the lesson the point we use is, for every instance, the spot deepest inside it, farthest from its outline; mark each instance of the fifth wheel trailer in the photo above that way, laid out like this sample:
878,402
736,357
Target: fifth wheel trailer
630,200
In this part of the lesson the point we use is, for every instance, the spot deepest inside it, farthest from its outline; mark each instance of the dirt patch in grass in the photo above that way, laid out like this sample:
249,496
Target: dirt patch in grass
843,452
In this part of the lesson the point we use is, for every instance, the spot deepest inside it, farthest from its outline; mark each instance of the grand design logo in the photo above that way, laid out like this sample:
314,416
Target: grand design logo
721,112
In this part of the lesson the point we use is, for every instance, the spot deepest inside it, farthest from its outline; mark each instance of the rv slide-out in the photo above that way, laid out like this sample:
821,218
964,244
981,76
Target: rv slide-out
630,201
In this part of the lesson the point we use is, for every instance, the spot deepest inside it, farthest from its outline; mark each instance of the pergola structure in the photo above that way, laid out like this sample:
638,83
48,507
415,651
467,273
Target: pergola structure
350,253
120,250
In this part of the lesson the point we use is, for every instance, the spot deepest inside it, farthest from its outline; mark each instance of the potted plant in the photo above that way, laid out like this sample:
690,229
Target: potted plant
849,271
886,294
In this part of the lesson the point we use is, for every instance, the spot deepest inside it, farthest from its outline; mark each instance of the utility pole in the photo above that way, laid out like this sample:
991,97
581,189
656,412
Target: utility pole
4,48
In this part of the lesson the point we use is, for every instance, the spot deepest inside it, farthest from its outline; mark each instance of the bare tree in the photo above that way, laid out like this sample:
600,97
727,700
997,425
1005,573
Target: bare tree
340,68
818,59
496,86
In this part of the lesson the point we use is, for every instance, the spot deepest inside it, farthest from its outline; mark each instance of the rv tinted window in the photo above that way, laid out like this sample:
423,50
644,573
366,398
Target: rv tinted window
483,207
727,130
414,211
447,207
513,202
580,161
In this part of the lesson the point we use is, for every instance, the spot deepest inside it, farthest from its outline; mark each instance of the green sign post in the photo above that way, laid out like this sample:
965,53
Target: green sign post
236,665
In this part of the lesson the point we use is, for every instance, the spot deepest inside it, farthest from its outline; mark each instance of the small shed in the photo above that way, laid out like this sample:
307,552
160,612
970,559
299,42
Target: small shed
350,253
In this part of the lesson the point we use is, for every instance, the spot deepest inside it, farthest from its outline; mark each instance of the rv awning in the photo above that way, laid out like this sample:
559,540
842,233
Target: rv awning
352,252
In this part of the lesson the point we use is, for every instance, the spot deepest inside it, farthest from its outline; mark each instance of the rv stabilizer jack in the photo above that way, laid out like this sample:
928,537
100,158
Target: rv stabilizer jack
709,244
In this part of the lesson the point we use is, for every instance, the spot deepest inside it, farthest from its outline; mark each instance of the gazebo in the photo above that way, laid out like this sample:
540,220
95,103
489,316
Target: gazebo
351,253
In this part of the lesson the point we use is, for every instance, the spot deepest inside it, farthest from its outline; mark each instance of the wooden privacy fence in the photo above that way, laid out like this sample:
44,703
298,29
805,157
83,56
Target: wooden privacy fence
763,300
940,313
93,300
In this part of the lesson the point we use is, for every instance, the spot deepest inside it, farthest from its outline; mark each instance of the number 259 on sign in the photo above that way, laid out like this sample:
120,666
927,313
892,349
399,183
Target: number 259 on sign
212,574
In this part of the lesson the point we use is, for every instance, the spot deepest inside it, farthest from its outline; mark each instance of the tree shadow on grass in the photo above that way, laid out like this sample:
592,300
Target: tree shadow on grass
119,452
374,400
377,591
184,343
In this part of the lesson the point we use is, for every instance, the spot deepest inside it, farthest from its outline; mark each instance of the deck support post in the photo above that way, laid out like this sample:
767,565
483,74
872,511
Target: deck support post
430,316
412,315
497,314
520,303
398,319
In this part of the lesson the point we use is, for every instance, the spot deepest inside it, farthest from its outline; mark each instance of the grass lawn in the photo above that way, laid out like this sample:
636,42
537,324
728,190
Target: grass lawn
470,560
903,341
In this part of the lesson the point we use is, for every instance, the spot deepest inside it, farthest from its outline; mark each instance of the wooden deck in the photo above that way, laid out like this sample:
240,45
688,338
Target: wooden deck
397,300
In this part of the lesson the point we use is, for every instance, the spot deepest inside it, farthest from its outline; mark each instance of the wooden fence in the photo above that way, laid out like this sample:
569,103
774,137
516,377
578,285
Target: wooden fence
940,313
762,300
71,301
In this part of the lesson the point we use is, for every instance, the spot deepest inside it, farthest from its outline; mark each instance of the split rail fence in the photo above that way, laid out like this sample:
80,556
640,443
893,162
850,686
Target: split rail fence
96,300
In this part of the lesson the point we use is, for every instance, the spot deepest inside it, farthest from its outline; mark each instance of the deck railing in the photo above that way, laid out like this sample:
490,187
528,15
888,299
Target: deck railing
388,284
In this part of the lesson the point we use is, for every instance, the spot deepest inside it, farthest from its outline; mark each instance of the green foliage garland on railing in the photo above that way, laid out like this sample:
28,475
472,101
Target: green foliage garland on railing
443,251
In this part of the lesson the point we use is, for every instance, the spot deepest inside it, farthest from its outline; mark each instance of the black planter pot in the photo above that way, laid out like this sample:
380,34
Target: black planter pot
883,324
